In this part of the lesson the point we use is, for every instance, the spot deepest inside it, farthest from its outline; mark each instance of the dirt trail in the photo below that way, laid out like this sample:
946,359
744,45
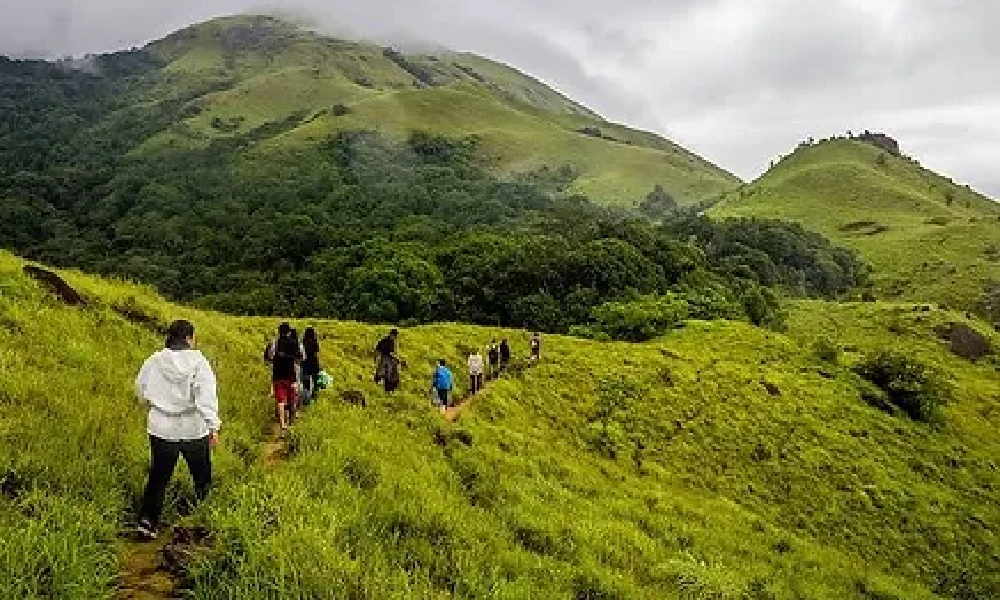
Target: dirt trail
462,404
144,575
150,570
275,450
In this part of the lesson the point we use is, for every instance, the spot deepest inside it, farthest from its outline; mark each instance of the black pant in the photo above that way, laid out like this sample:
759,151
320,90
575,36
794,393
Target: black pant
197,455
475,382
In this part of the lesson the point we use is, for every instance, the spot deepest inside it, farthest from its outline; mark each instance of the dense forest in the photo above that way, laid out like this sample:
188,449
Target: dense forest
362,226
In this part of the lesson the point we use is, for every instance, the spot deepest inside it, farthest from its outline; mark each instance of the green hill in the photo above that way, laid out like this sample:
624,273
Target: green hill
928,238
241,73
722,461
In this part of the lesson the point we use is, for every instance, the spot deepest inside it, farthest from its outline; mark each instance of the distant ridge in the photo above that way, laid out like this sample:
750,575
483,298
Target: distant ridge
928,238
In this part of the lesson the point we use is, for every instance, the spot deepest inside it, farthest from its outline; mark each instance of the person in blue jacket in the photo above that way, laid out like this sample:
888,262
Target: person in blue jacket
441,385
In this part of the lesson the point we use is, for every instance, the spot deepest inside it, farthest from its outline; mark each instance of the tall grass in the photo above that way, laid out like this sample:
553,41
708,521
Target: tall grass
747,467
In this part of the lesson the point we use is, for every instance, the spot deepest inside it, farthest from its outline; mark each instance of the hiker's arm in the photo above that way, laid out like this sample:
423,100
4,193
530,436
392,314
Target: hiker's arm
141,380
206,400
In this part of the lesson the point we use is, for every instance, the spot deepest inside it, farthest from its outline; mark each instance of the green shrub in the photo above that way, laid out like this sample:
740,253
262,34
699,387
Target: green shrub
906,383
607,433
827,351
639,320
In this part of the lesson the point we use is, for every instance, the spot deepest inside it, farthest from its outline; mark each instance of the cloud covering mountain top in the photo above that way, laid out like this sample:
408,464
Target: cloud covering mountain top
738,81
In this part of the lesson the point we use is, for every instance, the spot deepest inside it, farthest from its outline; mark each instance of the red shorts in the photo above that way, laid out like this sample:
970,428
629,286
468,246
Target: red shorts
284,392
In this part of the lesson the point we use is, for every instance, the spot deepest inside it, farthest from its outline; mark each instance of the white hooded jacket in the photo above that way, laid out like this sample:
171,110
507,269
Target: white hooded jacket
179,387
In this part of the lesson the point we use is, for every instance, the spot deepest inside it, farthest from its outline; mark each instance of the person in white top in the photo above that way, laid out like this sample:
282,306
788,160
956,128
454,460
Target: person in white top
178,385
476,368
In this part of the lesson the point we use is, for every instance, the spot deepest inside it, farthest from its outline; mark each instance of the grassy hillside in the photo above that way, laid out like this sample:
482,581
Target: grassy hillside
246,72
928,238
722,461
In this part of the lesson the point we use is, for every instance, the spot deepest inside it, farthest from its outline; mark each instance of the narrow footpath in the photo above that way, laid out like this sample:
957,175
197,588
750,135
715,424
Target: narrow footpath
154,570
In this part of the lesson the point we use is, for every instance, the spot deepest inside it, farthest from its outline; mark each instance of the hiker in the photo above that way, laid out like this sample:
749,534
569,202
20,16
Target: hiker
441,384
493,353
387,362
310,365
284,354
536,346
178,385
504,355
476,368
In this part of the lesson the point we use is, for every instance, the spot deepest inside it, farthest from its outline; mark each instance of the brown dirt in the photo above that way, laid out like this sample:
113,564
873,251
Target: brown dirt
275,450
155,570
144,575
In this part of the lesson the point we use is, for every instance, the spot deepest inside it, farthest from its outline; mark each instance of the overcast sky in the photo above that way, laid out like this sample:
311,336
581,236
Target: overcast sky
738,81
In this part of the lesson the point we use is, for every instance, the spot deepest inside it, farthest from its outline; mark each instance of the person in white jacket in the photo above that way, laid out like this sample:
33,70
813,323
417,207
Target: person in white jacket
476,368
178,385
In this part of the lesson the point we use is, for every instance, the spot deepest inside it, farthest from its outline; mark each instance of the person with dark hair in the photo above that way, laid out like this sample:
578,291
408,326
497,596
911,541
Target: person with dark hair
284,354
536,347
494,357
441,384
504,355
178,385
310,364
387,362
296,400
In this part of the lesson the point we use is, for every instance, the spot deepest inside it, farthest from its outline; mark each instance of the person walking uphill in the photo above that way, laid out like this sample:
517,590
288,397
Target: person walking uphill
494,355
441,384
178,385
387,362
310,365
504,355
476,368
284,354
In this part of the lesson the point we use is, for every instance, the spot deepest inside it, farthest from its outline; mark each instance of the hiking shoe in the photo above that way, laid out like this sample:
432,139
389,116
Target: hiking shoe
146,530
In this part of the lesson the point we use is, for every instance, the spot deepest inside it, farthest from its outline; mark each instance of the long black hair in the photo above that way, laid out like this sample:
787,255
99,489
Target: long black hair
178,334
309,341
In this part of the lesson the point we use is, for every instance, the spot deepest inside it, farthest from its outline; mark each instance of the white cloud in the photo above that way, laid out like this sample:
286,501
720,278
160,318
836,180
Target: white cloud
739,81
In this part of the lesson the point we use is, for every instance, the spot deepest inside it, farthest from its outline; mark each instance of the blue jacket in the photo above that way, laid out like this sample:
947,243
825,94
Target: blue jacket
442,379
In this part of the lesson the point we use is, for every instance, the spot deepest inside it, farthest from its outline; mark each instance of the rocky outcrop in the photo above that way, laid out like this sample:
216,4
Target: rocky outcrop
879,140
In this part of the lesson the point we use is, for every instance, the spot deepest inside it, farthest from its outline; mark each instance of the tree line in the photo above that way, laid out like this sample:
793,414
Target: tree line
366,227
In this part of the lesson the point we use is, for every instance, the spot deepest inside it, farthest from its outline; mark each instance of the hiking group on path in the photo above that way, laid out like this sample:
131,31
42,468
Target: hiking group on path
296,376
179,388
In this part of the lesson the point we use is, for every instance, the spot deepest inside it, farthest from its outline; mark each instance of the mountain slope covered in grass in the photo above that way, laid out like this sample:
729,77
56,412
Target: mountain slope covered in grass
928,238
238,74
721,461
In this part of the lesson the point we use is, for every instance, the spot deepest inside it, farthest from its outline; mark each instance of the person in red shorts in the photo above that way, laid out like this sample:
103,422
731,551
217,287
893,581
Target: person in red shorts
285,353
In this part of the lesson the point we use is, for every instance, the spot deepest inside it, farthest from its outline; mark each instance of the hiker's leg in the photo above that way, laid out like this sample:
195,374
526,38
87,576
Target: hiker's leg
292,402
198,456
163,460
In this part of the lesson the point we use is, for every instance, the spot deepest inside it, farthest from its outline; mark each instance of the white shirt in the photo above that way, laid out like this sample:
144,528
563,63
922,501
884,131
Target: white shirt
476,364
180,389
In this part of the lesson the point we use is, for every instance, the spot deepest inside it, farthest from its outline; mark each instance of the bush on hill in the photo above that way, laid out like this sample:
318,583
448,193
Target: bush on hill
641,319
906,383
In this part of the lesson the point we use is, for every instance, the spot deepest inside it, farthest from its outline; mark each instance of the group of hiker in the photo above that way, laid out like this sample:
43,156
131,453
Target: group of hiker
499,361
179,388
296,375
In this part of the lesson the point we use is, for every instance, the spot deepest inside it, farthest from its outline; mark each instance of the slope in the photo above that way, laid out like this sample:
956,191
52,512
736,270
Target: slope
927,238
671,469
245,72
